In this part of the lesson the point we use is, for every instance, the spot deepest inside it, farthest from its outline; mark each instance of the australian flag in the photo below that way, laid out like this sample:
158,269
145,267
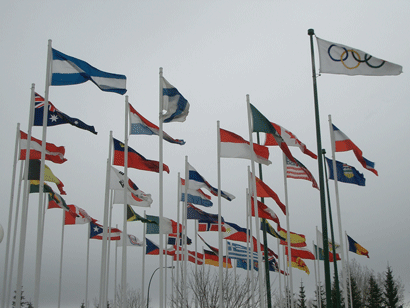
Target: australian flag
55,116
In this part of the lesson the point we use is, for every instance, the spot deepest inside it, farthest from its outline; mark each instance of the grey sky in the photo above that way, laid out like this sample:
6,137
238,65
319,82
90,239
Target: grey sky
215,53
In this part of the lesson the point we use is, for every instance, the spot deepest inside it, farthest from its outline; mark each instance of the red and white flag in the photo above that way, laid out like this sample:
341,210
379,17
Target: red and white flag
289,138
265,212
299,171
234,146
53,152
76,215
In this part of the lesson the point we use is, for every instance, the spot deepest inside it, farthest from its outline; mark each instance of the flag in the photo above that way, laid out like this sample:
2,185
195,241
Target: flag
172,239
68,70
234,146
343,143
345,173
321,255
213,259
55,116
299,171
135,160
55,201
301,253
53,152
196,181
340,59
132,241
35,187
298,263
296,240
117,182
263,190
240,263
194,257
319,237
204,226
270,230
214,249
131,199
196,196
356,248
168,225
141,126
151,248
289,138
262,125
96,232
264,212
34,174
132,216
236,233
176,106
236,251
76,216
195,213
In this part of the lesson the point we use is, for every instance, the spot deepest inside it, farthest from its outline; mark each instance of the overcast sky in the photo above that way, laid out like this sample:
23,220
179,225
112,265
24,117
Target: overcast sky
214,52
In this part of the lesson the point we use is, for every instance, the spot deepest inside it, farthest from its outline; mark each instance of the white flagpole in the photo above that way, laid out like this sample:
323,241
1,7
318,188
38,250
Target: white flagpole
348,271
339,216
314,264
13,180
143,259
161,181
250,236
61,260
40,223
220,246
196,257
105,221
285,181
319,289
178,233
108,250
124,227
115,272
13,249
280,280
255,203
24,209
185,271
166,266
87,265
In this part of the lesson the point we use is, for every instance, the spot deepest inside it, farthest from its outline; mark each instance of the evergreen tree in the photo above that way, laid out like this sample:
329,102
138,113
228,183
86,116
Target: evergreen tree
337,299
356,294
322,297
302,296
391,290
375,299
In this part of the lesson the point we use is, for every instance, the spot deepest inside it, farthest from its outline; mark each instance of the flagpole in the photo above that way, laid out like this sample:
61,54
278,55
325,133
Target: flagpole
144,245
108,250
348,273
248,256
220,244
311,32
24,208
184,276
115,272
265,243
13,249
161,182
314,264
339,216
13,180
255,201
332,234
124,227
250,237
280,280
105,220
61,260
87,265
178,233
319,293
285,181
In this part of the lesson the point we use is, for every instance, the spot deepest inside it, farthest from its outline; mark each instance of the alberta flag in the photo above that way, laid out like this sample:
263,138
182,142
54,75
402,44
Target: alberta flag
176,106
141,126
68,70
345,173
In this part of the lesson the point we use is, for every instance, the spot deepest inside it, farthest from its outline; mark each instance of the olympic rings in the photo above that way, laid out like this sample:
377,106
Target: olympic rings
355,55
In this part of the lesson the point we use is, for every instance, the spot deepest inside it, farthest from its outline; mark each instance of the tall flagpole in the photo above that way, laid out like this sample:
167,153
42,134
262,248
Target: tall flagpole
40,222
250,237
319,292
61,260
311,32
178,233
24,209
143,260
161,200
107,280
255,202
87,265
185,219
220,245
13,180
124,227
285,180
339,216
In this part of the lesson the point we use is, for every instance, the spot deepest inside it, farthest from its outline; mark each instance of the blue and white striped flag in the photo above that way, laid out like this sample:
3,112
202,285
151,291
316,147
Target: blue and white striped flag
236,251
67,71
176,106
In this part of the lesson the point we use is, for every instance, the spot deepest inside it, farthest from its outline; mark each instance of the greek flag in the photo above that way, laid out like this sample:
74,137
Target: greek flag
236,251
176,106
67,71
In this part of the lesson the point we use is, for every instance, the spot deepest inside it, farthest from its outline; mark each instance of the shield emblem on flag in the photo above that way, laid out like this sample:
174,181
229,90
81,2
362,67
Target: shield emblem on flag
347,171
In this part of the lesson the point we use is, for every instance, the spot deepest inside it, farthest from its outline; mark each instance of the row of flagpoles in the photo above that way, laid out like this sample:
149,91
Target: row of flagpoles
173,107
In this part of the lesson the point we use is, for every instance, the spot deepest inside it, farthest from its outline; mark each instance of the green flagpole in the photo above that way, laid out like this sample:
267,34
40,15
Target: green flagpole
332,234
265,243
311,32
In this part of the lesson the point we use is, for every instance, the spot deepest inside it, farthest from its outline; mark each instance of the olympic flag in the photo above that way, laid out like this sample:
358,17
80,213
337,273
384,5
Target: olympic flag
340,59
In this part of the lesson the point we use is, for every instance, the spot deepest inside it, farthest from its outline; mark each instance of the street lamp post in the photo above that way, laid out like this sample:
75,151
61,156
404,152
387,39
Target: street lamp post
149,284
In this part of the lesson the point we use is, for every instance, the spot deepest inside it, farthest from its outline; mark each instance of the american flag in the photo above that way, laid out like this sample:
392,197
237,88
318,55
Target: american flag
299,171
